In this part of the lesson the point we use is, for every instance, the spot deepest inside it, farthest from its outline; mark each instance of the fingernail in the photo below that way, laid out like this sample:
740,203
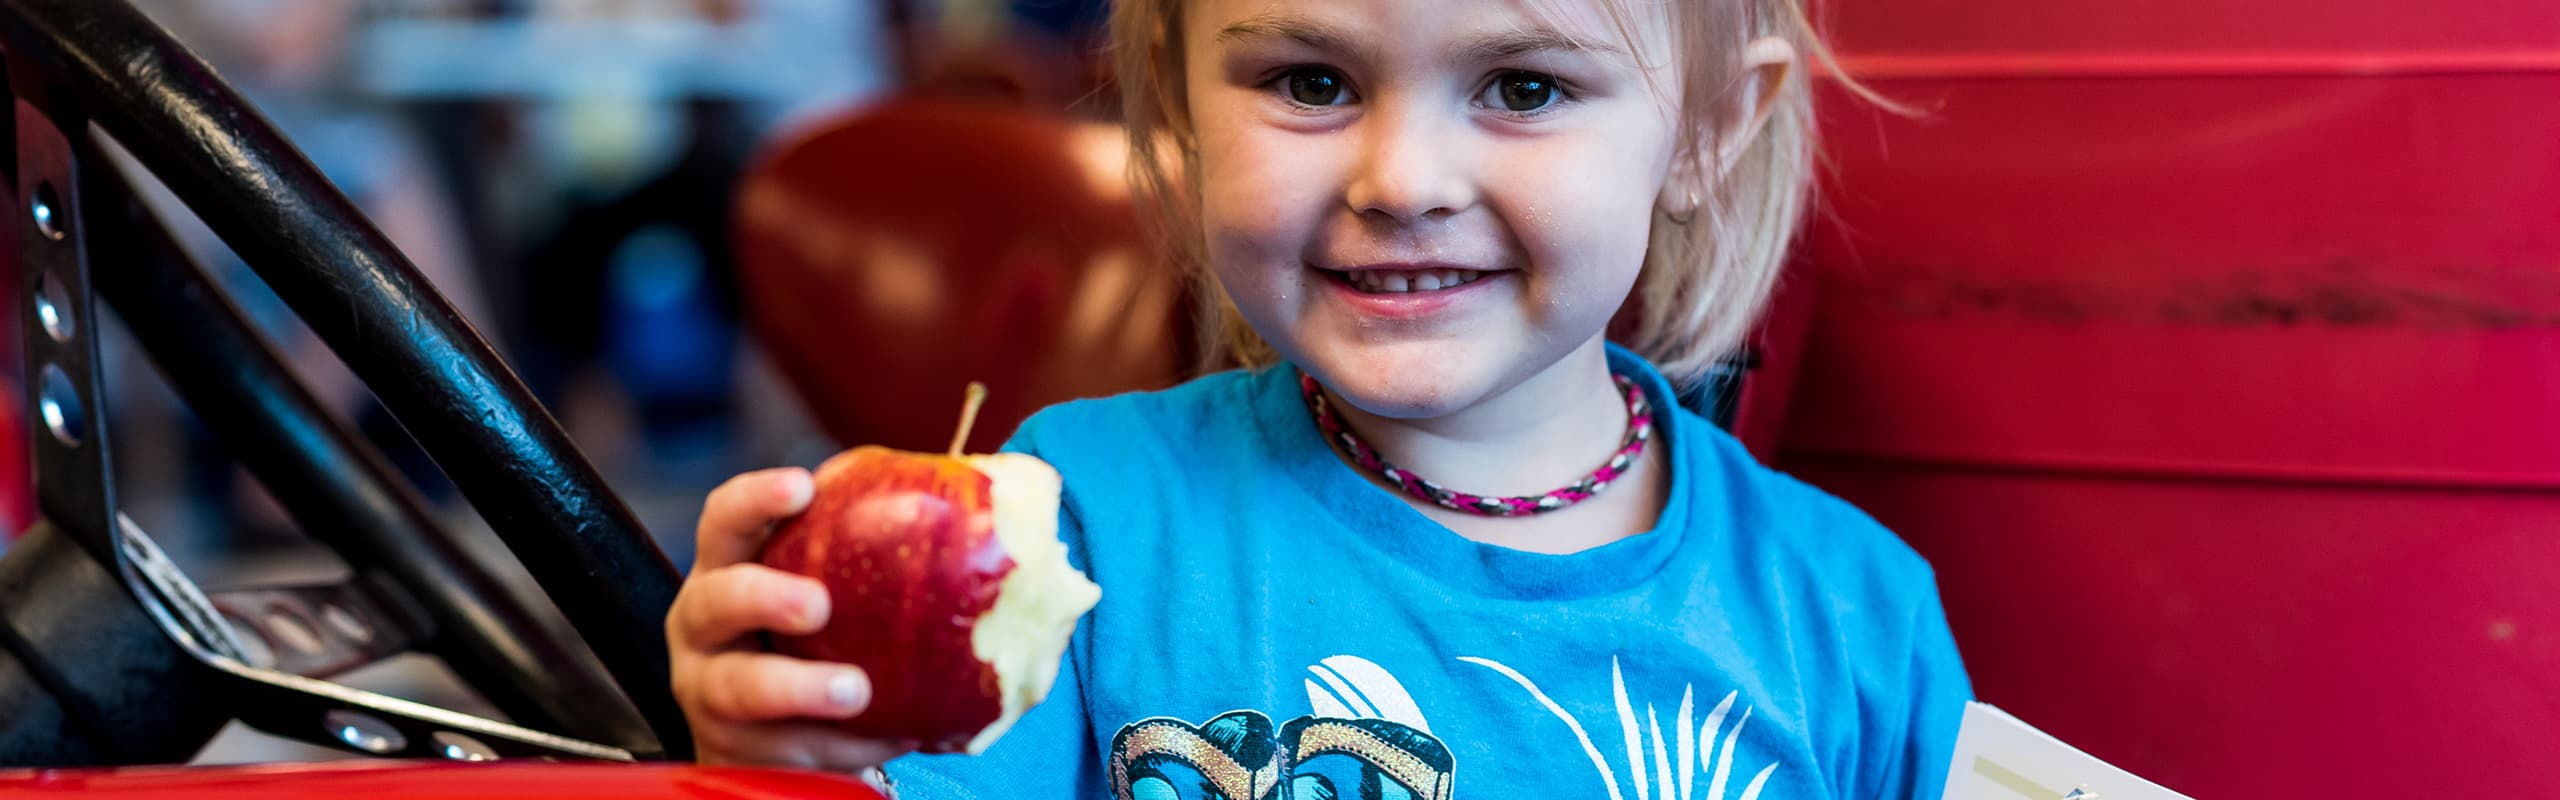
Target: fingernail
812,610
797,489
849,690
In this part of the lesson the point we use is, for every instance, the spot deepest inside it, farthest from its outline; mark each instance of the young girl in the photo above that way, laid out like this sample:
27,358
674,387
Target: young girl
1349,570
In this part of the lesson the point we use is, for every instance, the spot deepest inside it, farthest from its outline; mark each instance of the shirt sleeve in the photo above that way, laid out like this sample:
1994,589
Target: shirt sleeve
1050,752
1918,740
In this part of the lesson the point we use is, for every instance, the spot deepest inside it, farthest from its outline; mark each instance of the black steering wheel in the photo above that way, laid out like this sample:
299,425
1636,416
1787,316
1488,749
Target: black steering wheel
107,653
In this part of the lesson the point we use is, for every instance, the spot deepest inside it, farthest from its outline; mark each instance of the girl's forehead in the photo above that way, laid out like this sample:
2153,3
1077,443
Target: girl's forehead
1605,26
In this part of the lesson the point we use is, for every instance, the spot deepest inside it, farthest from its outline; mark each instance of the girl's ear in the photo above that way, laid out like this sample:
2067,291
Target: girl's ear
1767,63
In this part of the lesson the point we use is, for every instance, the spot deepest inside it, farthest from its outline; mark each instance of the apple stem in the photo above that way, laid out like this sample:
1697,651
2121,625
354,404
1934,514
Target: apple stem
976,397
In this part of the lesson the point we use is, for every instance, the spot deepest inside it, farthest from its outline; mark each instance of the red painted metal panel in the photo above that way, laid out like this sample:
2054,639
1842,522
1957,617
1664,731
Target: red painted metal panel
2090,27
2314,279
2248,640
376,780
2212,353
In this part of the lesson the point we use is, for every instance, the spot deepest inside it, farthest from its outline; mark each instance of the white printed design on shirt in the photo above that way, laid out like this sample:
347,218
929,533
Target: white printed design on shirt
1367,738
1670,770
1351,687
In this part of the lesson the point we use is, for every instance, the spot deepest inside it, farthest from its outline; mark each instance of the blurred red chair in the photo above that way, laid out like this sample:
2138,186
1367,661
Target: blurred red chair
892,254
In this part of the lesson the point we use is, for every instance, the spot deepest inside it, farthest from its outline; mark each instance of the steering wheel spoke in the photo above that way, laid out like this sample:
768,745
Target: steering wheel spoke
306,708
319,630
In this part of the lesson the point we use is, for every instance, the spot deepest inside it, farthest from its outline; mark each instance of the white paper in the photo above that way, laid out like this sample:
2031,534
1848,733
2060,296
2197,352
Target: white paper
2001,758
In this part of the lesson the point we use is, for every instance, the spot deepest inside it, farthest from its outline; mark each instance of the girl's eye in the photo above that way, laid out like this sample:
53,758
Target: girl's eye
1314,86
1522,92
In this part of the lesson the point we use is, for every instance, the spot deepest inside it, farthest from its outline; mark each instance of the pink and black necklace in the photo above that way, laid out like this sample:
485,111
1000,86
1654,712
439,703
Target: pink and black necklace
1630,448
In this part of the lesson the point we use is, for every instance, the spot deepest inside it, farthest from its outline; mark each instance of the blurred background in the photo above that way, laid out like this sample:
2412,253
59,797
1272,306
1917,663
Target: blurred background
2210,352
568,173
564,171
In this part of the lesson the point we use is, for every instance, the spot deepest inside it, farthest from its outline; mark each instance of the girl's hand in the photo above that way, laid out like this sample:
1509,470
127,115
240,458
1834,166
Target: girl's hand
746,705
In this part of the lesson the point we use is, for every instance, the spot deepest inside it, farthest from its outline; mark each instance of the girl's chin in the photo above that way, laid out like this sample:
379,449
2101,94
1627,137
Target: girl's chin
1428,378
1406,385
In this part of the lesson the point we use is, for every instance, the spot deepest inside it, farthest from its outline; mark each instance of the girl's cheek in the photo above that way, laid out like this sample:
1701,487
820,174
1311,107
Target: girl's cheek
1563,213
1257,186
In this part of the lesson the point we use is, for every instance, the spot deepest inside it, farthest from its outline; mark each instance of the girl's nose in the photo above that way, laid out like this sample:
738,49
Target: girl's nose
1410,169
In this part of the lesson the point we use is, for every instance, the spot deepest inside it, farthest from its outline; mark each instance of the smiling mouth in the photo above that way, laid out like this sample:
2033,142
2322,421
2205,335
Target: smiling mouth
1399,281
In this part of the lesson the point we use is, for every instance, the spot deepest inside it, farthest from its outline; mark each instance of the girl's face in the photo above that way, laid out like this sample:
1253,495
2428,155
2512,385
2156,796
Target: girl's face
1425,203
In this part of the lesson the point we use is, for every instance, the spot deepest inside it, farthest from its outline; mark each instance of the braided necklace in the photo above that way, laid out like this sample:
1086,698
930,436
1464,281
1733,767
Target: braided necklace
1639,431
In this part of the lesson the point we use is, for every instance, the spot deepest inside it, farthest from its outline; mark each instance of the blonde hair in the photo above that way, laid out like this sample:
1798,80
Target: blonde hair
1707,274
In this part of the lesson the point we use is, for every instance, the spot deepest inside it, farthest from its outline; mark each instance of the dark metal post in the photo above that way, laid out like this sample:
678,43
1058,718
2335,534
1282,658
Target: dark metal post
62,597
62,615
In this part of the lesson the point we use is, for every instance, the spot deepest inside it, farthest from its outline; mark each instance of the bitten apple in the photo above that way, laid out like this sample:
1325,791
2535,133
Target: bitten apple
949,584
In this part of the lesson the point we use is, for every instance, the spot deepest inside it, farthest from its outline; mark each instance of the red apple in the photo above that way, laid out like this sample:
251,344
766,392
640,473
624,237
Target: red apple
949,584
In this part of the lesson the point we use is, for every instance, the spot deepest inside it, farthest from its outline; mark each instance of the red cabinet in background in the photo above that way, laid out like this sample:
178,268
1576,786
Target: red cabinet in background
2211,352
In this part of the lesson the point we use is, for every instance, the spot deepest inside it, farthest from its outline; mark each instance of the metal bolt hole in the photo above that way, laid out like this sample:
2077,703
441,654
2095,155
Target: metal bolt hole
364,732
59,405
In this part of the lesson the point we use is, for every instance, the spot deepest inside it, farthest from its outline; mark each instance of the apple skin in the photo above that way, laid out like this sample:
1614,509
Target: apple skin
906,546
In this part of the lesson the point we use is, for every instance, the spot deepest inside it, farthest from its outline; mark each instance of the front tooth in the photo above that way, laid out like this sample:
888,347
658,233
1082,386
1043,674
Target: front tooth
1392,282
1428,281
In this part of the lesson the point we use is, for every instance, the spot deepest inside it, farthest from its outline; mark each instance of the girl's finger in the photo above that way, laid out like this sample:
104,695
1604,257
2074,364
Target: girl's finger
737,515
716,607
751,686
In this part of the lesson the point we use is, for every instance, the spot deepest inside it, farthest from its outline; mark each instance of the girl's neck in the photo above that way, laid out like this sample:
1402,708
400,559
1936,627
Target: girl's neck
1548,431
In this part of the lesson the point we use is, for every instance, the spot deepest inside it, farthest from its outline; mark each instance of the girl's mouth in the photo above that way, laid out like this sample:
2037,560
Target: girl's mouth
1403,281
1413,291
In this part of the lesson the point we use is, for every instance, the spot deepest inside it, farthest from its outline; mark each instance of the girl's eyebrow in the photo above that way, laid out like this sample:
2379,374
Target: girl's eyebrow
1514,44
1304,31
1497,47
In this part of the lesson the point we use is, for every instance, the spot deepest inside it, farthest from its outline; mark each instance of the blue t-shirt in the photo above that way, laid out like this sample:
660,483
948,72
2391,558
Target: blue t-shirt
1273,625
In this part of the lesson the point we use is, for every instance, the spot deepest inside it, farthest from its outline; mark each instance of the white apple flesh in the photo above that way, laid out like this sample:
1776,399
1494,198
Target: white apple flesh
950,588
